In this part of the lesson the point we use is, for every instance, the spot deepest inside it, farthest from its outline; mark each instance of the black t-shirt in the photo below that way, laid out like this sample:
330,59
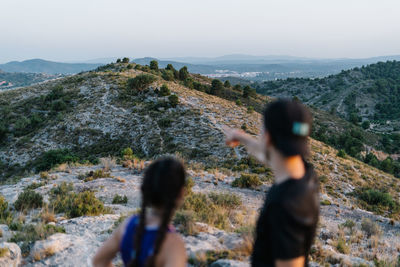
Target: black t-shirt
288,221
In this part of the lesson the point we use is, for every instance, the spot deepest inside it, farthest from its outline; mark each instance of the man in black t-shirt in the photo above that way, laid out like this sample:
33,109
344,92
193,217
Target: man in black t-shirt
288,221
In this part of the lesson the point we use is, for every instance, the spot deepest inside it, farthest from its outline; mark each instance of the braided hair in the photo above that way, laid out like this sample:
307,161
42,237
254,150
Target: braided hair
162,184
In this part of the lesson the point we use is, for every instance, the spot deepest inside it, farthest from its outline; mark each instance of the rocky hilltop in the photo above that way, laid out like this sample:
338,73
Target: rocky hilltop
59,130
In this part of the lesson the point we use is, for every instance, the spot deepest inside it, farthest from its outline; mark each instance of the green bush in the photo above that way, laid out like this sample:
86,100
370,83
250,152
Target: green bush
186,220
375,197
140,82
342,246
4,212
203,208
247,181
164,90
125,60
28,199
154,65
183,73
341,153
226,200
59,105
377,201
173,100
96,174
325,202
76,205
127,152
168,75
62,190
120,199
28,234
52,158
370,228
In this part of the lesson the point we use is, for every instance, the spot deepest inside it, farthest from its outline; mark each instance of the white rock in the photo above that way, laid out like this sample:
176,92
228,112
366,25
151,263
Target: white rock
229,263
13,259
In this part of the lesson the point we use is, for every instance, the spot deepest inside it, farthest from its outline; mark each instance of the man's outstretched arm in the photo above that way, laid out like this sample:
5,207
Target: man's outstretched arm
254,146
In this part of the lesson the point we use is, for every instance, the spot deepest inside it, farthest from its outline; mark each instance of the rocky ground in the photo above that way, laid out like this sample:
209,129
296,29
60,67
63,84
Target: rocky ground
83,235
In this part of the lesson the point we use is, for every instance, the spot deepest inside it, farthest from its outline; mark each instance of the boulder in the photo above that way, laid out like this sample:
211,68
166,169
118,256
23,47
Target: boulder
12,257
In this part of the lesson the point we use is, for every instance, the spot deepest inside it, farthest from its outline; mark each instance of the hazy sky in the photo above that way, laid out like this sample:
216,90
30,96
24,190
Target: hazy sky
86,29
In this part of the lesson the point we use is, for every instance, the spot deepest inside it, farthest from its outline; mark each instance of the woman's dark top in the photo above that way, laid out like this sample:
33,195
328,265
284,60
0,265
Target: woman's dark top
288,221
147,244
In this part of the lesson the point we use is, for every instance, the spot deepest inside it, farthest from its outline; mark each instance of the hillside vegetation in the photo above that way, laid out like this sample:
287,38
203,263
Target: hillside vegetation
367,97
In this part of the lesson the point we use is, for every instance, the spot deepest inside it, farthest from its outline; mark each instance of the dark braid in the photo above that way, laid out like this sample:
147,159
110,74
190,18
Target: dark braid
162,184
162,232
138,235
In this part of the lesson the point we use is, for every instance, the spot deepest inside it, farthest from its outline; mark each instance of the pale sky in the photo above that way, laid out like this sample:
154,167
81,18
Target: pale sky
65,30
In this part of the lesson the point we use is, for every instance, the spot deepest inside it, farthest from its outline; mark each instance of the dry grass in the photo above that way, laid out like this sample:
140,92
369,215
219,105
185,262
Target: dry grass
108,163
4,252
47,215
45,253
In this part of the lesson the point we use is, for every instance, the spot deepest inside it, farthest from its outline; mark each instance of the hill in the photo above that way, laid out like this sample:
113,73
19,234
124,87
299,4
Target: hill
370,93
44,66
14,79
60,129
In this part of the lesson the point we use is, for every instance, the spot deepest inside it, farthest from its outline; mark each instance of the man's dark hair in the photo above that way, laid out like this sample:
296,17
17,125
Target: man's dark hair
288,123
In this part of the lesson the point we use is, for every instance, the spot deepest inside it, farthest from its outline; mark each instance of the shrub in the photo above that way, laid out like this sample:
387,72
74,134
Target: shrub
248,92
216,87
325,202
168,75
226,200
201,207
247,181
120,199
370,228
183,73
227,84
97,174
238,102
140,82
375,197
4,212
34,185
127,153
3,132
342,247
164,122
154,65
30,233
52,158
173,100
125,60
107,163
59,105
28,199
349,224
62,190
341,153
186,220
76,205
164,90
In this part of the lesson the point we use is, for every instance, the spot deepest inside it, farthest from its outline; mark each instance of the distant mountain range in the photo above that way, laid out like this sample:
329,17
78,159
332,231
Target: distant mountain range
254,68
49,67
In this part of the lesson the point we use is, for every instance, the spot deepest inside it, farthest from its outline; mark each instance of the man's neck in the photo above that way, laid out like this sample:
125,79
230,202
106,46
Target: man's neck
289,168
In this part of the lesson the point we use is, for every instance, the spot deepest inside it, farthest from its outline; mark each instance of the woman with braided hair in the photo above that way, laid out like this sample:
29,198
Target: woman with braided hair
148,240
